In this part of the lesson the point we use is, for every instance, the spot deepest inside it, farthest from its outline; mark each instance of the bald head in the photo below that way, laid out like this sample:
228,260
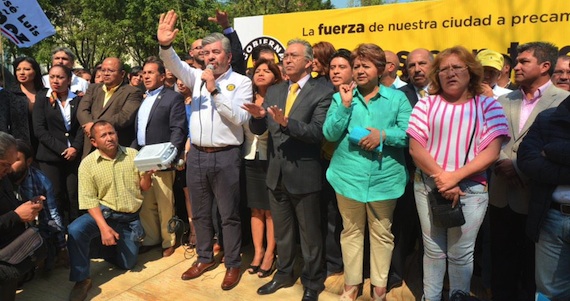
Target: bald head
196,51
418,63
112,71
391,70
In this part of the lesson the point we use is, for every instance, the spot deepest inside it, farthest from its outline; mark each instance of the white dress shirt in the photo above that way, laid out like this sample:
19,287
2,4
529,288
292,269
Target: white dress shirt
214,121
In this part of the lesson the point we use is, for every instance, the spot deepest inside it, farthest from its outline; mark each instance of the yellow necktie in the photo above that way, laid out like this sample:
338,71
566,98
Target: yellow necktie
291,98
422,93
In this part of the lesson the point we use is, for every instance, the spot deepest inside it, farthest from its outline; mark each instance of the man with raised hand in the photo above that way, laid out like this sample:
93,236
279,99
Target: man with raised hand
216,132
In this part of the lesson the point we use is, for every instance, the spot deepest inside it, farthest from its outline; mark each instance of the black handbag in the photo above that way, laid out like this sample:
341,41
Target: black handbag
22,247
443,215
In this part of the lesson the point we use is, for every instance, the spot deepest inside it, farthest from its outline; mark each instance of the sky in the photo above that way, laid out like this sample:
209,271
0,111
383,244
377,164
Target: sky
339,3
344,3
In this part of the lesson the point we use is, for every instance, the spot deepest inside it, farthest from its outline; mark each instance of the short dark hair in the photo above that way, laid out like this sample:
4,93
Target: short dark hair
543,52
157,61
100,122
256,52
65,69
343,53
508,60
24,148
135,70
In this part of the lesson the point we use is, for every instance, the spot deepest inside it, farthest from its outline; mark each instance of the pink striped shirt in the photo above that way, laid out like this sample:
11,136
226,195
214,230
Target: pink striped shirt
445,129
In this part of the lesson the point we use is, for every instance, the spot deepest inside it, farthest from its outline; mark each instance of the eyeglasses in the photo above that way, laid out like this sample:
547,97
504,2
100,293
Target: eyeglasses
291,56
454,69
561,72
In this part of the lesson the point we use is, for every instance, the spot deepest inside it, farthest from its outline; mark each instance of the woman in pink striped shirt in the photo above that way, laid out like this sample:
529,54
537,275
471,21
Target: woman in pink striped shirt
441,129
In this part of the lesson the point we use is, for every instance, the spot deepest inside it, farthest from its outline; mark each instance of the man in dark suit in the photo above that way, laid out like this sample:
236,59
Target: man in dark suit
113,101
509,193
161,118
418,64
298,109
406,226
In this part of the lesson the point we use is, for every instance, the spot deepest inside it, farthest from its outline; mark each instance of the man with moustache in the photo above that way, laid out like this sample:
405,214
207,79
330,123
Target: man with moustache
561,75
161,118
216,132
512,252
110,189
297,110
112,100
406,225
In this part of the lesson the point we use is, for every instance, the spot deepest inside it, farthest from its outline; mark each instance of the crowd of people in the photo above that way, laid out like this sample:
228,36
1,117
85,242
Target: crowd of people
339,154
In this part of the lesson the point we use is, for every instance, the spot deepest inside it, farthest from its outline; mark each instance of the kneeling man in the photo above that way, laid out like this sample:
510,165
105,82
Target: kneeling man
110,190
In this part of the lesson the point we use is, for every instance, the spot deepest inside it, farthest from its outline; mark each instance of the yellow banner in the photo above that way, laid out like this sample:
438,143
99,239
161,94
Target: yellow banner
435,25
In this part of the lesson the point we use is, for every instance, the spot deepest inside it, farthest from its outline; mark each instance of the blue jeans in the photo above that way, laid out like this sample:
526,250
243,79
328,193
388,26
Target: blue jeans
553,257
84,243
454,245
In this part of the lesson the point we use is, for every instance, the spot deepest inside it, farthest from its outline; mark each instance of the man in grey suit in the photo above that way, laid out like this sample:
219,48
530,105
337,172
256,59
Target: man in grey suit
512,252
297,110
113,100
161,118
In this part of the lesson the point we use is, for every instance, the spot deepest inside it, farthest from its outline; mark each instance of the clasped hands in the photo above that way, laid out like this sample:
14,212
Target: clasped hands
447,183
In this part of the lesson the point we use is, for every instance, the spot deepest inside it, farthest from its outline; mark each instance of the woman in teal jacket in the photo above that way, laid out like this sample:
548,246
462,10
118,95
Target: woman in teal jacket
368,123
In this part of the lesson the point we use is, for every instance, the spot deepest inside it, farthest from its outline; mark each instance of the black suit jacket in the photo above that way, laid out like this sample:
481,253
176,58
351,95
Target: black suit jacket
411,94
14,115
238,59
295,151
10,224
49,128
166,122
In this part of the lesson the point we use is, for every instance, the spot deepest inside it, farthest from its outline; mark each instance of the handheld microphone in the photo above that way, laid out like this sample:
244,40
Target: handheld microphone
210,67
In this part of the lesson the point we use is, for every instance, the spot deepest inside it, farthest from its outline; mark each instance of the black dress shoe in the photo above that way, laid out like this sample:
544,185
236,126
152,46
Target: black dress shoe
272,286
310,295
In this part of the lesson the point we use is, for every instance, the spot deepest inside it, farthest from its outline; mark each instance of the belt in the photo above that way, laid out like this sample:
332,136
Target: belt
213,149
563,208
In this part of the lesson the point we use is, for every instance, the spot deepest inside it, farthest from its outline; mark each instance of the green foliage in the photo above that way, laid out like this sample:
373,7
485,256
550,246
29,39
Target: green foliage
96,29
264,7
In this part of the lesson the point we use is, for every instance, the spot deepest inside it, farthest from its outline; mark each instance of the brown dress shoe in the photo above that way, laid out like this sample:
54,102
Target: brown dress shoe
197,269
80,289
231,279
168,251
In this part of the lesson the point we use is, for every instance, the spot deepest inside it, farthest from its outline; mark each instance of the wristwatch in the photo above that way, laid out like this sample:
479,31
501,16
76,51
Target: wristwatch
215,92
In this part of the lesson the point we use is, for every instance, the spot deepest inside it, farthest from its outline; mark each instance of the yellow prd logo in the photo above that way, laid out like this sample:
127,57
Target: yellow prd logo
230,87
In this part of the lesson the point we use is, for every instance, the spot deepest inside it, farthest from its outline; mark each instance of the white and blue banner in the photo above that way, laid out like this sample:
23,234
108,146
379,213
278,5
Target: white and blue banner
24,22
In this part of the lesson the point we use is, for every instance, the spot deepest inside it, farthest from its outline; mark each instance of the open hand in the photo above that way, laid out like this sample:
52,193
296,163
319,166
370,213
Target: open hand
166,32
220,18
255,110
278,115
